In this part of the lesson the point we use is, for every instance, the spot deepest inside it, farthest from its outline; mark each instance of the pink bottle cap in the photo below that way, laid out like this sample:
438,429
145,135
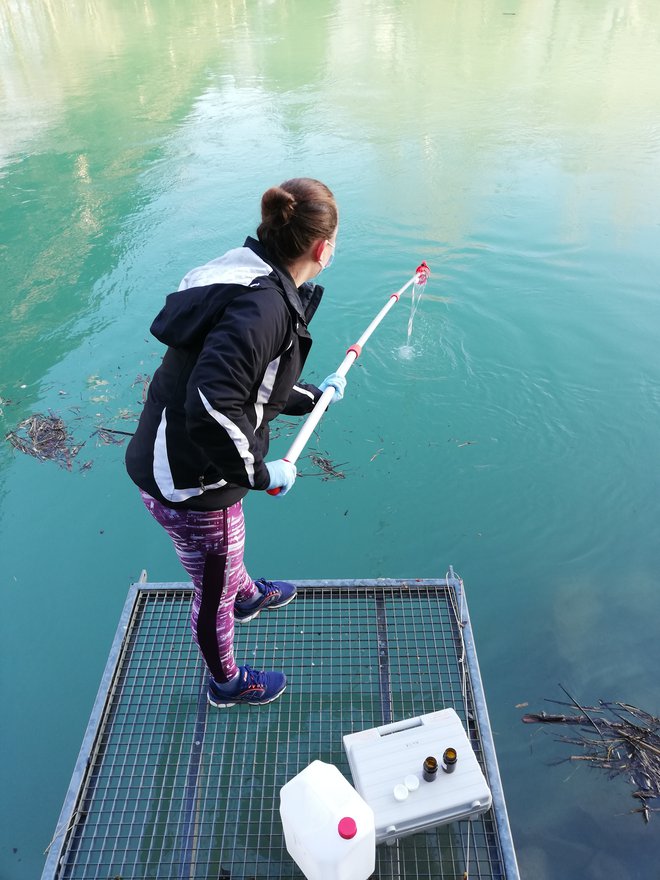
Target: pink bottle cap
347,828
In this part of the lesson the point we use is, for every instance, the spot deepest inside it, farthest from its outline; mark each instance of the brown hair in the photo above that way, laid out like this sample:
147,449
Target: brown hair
294,215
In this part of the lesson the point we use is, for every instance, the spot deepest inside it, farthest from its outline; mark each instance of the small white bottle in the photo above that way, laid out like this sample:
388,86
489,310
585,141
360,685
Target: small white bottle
328,828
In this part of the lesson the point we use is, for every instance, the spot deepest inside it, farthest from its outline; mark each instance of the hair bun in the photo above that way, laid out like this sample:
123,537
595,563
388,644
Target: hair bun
277,206
294,215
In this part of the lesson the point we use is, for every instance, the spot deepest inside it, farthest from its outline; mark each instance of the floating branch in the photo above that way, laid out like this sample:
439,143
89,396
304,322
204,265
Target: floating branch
108,436
627,744
45,438
143,380
283,428
330,470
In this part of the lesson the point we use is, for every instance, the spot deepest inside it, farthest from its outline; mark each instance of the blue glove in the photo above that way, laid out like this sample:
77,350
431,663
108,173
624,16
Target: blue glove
282,475
337,382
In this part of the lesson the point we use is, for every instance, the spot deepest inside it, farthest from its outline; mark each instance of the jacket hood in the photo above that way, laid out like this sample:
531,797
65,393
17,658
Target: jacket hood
197,306
188,315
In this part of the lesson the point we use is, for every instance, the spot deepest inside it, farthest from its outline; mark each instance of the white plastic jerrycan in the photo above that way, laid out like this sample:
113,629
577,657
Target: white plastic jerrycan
328,828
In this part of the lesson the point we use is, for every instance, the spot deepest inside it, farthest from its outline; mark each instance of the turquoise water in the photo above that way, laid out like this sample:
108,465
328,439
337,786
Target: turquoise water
513,145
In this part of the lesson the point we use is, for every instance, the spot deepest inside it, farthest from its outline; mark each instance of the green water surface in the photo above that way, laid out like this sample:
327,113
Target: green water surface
514,145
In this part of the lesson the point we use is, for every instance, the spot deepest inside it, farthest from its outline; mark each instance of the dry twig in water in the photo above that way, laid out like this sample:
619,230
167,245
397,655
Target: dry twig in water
329,469
628,744
45,438
144,381
109,436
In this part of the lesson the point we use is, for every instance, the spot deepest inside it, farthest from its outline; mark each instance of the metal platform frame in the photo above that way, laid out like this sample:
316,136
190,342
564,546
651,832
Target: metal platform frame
167,787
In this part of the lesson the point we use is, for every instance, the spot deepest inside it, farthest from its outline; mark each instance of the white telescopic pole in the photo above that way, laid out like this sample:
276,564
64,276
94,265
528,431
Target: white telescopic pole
352,355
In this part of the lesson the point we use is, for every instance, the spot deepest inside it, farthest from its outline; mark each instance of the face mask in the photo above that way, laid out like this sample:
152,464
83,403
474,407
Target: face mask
329,262
331,257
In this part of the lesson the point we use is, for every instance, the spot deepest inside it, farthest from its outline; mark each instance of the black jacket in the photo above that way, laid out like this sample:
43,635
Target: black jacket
237,339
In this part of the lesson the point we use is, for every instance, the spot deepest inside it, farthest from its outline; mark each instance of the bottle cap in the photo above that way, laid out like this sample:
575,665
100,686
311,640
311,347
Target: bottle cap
400,792
347,828
412,782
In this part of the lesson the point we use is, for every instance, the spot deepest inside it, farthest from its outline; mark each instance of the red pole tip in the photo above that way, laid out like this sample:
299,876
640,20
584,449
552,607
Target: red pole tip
424,270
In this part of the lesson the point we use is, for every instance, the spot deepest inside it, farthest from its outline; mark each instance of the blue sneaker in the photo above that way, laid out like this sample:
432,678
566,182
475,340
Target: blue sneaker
271,595
249,686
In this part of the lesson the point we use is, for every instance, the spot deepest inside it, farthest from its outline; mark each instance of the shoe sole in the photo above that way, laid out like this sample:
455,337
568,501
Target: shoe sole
228,705
265,608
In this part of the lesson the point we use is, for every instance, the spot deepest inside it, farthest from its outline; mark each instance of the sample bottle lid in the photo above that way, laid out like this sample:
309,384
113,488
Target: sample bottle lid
411,782
347,828
400,792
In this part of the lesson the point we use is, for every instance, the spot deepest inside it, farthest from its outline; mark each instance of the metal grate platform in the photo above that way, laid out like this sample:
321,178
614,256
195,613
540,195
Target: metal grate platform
167,787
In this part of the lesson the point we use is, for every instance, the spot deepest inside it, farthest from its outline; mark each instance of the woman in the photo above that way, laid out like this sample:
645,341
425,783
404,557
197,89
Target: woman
237,339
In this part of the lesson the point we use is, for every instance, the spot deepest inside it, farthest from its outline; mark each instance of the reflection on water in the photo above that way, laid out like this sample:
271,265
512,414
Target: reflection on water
472,101
87,90
515,146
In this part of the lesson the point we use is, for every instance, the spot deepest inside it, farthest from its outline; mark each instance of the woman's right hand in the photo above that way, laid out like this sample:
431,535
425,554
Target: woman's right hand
337,382
282,475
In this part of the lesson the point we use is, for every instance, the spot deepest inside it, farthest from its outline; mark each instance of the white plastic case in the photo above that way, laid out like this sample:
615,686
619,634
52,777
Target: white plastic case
387,761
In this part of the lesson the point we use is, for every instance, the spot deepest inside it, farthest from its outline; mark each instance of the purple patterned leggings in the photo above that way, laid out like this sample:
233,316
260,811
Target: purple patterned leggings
210,545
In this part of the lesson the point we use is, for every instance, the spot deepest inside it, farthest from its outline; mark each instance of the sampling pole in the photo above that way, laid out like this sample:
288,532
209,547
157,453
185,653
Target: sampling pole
354,351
